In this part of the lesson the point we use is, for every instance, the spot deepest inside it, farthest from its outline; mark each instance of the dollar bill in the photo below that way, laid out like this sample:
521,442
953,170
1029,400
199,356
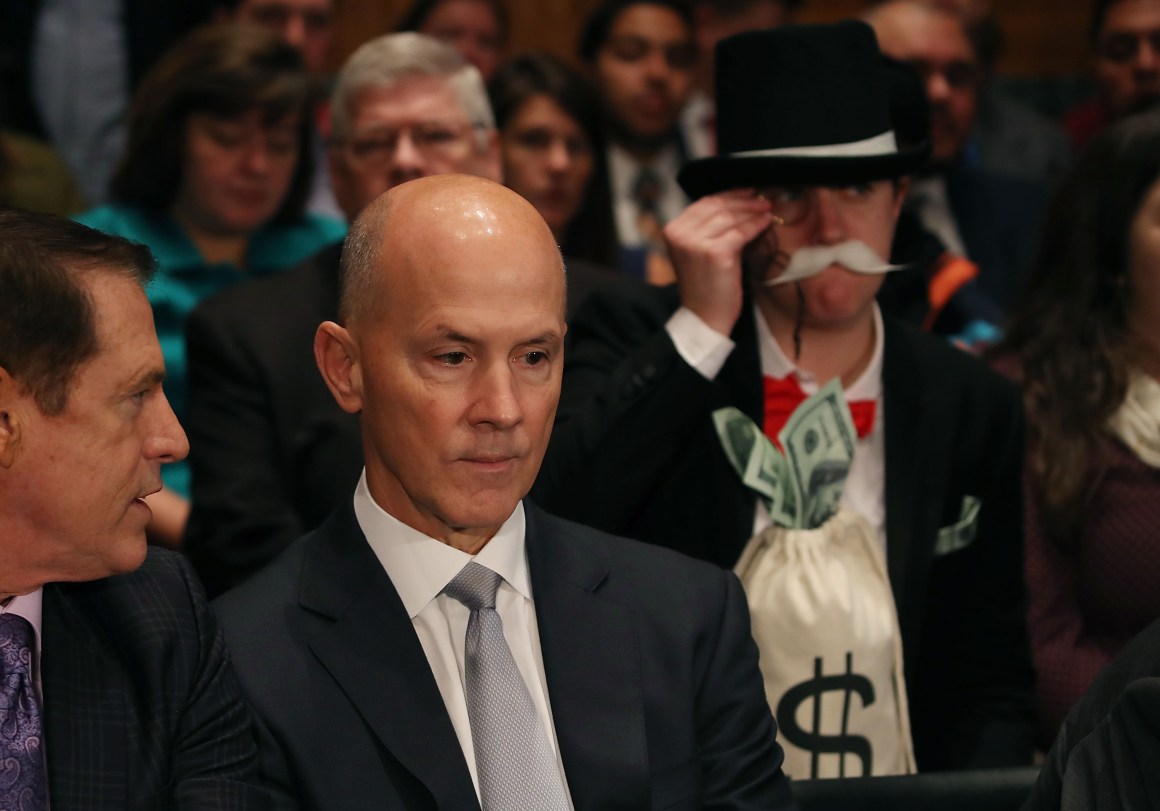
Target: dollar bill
819,441
759,464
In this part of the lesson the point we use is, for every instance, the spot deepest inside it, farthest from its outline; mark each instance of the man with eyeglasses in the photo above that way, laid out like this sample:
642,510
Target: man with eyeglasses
1125,37
778,262
273,453
991,217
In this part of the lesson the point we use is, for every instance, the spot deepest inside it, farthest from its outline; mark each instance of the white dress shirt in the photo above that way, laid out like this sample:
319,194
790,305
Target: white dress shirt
420,567
928,199
706,350
622,173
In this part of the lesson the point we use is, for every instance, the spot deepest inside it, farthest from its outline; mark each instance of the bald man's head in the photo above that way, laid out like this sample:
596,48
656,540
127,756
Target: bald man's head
451,350
431,210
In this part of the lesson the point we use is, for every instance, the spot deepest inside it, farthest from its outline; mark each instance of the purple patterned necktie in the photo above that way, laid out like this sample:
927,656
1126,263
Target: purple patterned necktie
23,782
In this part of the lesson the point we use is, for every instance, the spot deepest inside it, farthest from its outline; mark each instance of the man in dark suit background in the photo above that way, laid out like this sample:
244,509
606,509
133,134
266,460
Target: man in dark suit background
635,450
359,662
115,690
272,454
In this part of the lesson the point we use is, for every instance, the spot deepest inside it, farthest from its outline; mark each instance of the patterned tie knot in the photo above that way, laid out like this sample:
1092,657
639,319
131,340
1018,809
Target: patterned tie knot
17,641
474,586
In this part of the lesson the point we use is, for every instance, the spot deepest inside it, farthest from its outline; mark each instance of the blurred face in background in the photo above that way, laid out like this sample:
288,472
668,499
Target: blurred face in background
413,128
236,171
470,27
308,25
547,159
935,43
644,72
1127,64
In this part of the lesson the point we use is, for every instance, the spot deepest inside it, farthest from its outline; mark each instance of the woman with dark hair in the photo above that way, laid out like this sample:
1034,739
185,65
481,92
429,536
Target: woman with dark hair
478,29
552,147
214,180
1085,346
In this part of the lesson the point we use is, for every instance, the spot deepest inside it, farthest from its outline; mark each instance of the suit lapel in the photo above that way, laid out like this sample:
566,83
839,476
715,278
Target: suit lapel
592,663
919,408
86,716
372,652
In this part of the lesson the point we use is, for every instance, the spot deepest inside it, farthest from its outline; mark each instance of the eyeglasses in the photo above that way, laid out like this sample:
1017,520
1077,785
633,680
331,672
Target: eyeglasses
431,139
792,204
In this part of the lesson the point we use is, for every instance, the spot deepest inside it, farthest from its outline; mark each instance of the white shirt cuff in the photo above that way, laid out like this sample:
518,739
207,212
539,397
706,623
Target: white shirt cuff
701,346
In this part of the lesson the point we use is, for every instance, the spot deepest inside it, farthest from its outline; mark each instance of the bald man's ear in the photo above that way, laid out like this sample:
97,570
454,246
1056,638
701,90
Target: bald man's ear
12,405
336,354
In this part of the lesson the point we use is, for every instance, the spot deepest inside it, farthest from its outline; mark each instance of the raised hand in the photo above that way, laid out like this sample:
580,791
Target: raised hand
705,244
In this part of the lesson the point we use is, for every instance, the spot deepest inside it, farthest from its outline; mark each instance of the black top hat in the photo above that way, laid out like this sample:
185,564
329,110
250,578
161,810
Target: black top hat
801,104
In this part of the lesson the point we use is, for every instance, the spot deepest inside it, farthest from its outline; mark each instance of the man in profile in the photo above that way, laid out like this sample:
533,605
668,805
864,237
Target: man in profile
441,643
115,690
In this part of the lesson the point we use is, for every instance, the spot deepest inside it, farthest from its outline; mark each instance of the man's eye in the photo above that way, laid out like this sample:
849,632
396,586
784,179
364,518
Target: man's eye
435,136
370,145
630,49
855,189
452,358
535,357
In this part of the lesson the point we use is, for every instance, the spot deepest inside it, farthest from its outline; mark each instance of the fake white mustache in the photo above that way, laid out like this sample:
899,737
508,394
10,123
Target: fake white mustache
853,254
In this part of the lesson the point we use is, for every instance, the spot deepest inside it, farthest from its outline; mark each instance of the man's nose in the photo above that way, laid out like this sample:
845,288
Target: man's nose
496,401
406,157
294,32
166,440
559,158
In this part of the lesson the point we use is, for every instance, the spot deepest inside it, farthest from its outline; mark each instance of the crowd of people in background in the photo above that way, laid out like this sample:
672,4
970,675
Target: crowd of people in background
1016,359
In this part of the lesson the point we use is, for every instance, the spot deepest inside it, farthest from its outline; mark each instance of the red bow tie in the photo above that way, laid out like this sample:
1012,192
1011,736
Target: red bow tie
784,395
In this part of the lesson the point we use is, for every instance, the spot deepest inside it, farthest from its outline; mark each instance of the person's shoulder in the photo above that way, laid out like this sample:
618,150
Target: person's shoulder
161,601
277,247
276,298
119,220
624,312
946,365
263,598
636,570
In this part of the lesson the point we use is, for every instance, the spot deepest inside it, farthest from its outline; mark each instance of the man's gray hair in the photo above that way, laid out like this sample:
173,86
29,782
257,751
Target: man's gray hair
391,58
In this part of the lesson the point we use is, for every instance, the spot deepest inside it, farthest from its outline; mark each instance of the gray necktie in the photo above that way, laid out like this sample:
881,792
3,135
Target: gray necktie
23,781
513,757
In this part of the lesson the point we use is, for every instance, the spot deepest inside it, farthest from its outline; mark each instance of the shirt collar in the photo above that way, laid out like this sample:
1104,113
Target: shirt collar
775,363
31,607
623,168
420,566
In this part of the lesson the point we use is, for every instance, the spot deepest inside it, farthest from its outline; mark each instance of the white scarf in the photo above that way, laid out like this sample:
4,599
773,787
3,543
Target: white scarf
1137,421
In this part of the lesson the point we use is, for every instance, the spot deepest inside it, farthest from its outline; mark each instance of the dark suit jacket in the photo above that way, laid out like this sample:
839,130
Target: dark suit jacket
634,451
1107,751
141,707
270,451
652,678
998,218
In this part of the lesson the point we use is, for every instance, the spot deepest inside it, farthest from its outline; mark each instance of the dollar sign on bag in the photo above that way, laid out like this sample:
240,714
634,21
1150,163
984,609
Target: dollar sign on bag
812,741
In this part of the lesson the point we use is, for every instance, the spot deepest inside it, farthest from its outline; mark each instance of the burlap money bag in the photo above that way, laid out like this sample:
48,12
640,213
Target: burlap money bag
831,651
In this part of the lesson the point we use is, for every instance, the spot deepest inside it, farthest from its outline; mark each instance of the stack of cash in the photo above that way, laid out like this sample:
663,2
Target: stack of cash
803,486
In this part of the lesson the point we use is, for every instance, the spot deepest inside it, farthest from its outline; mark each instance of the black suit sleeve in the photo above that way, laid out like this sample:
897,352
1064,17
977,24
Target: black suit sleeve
741,759
242,513
213,755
